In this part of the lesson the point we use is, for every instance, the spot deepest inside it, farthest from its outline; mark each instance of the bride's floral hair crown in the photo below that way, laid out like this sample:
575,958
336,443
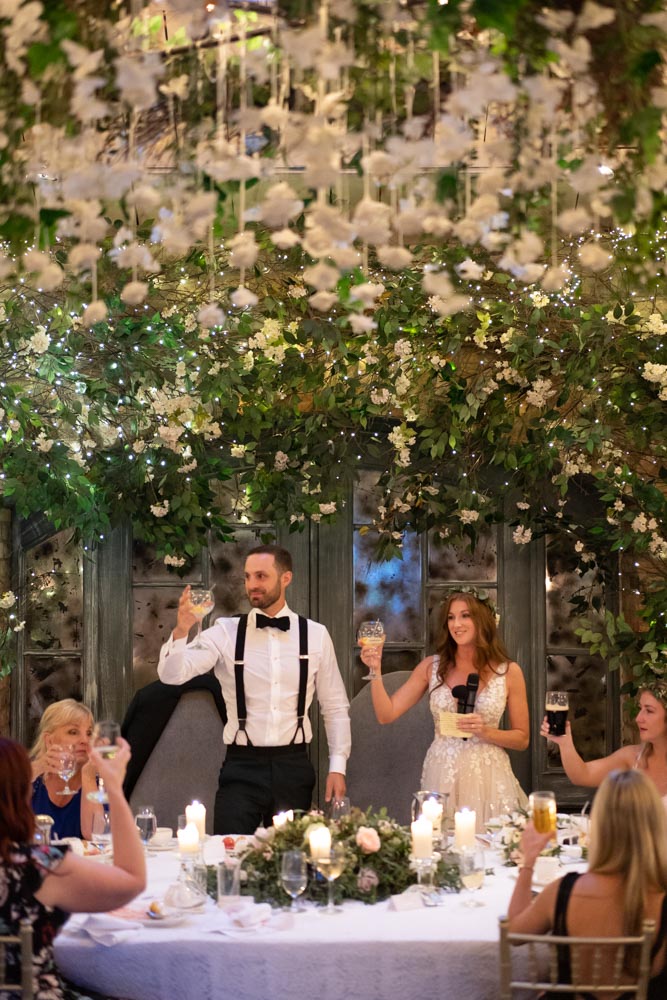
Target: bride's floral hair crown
657,687
482,595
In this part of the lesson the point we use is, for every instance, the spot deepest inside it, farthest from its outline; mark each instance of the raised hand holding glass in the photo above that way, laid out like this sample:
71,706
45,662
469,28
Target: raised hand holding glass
201,603
66,768
371,636
105,741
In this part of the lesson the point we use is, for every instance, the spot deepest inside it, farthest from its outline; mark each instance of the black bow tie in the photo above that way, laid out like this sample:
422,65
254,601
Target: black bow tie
263,621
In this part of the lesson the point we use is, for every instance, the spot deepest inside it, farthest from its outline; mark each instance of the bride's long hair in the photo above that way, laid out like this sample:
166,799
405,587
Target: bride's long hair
490,653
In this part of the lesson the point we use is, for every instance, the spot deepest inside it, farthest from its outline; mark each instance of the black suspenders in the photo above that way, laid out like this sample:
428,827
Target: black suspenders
239,655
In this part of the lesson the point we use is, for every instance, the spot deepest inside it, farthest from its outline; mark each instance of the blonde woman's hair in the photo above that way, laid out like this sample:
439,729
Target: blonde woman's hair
60,713
629,838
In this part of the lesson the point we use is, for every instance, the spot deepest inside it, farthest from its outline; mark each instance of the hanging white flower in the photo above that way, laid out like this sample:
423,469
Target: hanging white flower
467,516
242,297
594,16
346,258
280,205
243,249
285,239
371,221
361,324
321,276
83,256
176,87
469,270
174,560
521,536
367,293
211,316
134,293
96,312
323,301
136,78
394,258
555,278
595,257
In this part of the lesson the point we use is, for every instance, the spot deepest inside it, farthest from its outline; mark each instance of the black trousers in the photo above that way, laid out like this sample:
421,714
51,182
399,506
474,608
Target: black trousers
258,782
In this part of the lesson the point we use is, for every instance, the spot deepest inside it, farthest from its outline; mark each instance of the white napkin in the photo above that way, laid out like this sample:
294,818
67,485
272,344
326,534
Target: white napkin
249,916
105,929
411,899
214,850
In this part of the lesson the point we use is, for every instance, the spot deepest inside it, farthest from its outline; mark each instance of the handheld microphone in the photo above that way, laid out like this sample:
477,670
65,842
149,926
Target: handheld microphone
460,692
472,684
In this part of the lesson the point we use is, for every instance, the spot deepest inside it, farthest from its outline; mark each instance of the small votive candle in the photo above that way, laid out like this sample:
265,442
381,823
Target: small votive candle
432,809
188,839
422,837
196,813
281,818
465,822
319,840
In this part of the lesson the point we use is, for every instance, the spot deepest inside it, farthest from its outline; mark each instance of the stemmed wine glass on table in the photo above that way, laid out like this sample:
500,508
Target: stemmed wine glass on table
146,822
201,603
105,741
331,865
66,768
370,635
101,832
471,870
294,875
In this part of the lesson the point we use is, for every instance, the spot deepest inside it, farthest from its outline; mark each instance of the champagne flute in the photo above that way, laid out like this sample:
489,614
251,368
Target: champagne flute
101,833
146,822
331,865
471,869
66,768
370,635
105,741
293,875
201,603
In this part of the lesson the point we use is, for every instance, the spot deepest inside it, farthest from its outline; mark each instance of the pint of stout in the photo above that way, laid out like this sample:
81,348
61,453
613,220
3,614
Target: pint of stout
556,709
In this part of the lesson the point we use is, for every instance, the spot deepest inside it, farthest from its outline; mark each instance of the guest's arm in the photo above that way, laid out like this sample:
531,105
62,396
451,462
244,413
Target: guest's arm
388,707
589,773
82,885
527,915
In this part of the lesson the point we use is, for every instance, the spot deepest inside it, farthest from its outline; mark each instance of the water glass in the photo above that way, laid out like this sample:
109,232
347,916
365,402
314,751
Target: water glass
229,882
101,833
146,823
294,875
471,870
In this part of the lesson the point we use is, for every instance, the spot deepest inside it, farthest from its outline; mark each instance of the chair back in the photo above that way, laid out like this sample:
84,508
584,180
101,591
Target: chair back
23,943
597,964
385,765
185,762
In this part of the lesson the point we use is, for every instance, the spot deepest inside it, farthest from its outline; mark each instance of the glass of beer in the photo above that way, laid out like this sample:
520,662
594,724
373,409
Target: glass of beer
542,807
556,709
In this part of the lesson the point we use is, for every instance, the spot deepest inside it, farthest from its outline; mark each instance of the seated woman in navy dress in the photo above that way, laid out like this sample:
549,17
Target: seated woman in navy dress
65,724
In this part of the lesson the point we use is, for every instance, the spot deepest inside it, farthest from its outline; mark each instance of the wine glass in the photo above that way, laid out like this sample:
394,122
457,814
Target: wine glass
201,602
146,822
331,865
101,833
471,869
370,635
105,741
293,875
340,807
66,768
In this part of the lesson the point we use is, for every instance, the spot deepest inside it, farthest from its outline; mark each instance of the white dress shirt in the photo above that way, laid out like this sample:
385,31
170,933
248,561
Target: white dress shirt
271,680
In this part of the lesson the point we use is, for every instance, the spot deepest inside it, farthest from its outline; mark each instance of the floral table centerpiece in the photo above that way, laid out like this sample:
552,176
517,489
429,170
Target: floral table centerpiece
377,859
510,839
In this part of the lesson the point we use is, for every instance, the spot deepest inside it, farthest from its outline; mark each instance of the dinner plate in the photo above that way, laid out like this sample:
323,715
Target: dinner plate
173,920
161,847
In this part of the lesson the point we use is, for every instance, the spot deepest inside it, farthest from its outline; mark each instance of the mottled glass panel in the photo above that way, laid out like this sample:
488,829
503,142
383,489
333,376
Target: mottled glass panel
585,680
366,496
390,591
148,568
453,562
227,571
392,660
231,501
155,610
435,600
54,594
569,591
50,678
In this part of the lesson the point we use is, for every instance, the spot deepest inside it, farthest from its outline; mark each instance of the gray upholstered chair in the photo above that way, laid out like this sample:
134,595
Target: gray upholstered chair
386,761
185,762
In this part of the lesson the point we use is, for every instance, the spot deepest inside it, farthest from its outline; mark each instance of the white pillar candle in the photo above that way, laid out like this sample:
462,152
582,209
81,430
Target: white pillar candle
422,837
188,839
281,818
196,813
320,842
432,809
464,828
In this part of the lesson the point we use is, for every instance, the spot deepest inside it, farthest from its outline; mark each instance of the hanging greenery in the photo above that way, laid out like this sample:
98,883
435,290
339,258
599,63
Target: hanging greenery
246,255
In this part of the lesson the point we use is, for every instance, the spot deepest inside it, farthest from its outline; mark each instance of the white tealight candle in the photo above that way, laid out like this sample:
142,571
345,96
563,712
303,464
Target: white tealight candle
320,842
281,818
188,839
464,828
432,809
422,837
196,813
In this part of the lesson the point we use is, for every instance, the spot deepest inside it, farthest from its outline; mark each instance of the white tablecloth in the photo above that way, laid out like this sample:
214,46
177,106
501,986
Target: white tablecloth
365,953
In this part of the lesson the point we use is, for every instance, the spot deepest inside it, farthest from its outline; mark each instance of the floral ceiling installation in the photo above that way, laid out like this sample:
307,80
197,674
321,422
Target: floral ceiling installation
243,249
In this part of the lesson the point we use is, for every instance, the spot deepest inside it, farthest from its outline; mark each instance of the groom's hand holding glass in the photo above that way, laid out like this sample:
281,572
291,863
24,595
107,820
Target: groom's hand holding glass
193,605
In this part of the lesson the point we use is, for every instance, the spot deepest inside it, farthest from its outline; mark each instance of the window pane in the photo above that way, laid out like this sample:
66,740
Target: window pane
54,594
390,591
585,680
50,678
449,562
155,611
568,591
228,572
147,568
366,496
